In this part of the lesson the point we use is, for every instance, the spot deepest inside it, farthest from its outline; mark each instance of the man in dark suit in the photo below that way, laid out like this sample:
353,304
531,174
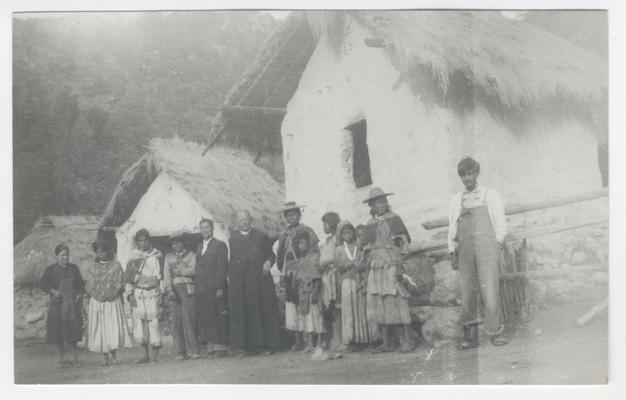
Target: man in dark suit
210,291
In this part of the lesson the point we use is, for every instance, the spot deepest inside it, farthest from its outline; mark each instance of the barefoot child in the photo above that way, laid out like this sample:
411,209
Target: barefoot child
287,260
309,282
331,285
356,331
477,229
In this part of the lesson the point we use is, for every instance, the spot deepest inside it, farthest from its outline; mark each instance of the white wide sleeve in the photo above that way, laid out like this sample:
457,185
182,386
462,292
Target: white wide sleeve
453,216
498,218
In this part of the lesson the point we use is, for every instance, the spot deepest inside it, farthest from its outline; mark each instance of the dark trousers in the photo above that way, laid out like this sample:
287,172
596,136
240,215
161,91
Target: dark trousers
212,320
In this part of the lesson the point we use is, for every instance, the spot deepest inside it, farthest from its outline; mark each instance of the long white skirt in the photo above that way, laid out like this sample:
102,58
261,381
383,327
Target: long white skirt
107,326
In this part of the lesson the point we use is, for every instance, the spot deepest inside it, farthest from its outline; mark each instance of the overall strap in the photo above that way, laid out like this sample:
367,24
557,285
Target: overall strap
485,196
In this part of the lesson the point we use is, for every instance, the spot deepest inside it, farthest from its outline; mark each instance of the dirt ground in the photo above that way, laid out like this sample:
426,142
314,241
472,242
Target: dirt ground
546,349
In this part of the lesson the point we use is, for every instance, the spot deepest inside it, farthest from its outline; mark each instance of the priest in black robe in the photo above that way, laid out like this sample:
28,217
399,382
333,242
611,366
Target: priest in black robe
253,305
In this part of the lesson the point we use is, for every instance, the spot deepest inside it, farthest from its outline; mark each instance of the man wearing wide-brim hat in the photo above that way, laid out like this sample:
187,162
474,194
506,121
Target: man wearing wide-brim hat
286,262
179,272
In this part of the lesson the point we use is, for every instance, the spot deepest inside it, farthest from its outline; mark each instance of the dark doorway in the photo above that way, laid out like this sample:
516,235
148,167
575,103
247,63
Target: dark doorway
360,154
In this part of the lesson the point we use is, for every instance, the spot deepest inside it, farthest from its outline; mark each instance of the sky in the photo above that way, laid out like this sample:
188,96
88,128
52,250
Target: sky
279,15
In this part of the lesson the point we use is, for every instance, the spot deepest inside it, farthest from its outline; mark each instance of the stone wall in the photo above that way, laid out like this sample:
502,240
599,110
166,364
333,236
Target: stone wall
29,314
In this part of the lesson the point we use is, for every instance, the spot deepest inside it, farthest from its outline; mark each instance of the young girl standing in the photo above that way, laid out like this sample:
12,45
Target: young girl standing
355,330
309,283
331,284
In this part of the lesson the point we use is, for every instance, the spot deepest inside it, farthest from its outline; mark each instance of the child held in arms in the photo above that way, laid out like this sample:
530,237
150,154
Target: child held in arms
477,230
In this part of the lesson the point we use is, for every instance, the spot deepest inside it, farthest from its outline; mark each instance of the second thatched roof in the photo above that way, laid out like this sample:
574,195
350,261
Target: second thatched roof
223,181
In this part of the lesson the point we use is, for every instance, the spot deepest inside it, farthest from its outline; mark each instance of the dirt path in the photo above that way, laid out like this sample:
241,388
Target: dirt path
549,349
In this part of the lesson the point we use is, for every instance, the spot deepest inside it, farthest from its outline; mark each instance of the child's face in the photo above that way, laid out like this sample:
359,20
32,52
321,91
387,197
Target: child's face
347,235
102,254
470,179
360,235
303,246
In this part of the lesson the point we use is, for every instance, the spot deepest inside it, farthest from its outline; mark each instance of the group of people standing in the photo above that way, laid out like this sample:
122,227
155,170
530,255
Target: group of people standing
350,290
348,293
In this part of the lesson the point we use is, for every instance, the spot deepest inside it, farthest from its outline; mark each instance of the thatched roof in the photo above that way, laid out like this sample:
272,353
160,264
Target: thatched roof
269,82
36,251
223,181
468,57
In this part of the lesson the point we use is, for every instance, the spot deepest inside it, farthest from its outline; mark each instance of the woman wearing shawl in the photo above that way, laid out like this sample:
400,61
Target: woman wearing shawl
107,330
356,330
387,299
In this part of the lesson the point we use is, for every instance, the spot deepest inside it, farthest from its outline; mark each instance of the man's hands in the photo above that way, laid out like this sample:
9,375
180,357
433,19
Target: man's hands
219,294
267,266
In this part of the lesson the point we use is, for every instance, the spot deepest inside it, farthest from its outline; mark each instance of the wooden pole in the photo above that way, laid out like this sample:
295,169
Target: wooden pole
216,131
548,273
595,310
533,206
511,237
256,109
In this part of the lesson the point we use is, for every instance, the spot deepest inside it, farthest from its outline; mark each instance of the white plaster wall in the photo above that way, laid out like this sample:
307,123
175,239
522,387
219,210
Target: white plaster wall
165,207
414,147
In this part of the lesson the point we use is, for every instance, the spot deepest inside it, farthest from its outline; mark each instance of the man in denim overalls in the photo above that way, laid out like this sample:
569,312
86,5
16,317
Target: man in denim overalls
477,230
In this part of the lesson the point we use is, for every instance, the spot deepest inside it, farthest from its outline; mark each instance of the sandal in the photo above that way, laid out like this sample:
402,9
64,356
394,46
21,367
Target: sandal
499,341
467,344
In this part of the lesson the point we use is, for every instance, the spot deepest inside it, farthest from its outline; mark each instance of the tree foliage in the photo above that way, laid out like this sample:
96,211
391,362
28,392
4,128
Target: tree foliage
90,91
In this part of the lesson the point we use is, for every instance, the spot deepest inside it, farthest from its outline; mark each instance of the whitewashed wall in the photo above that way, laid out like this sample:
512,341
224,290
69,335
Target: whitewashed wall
165,207
414,147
